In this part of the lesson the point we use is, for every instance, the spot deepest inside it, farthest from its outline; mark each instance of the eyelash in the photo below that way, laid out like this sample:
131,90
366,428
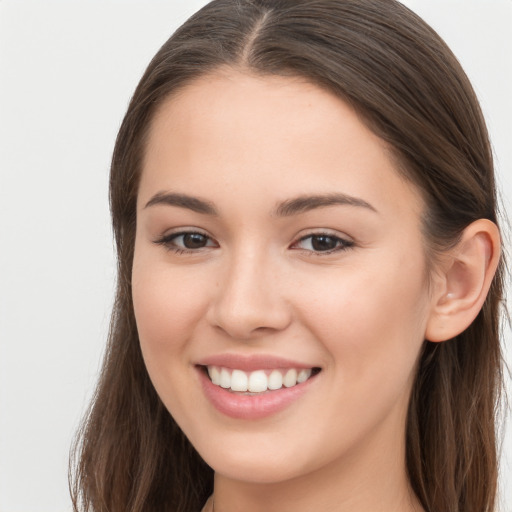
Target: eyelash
168,241
342,244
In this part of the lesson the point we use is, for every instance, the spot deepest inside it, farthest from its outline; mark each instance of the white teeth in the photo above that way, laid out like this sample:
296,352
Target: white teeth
258,381
275,380
214,374
239,380
303,375
225,379
290,379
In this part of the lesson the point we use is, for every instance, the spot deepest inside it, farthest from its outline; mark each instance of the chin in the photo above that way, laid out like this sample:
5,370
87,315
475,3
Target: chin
257,471
256,463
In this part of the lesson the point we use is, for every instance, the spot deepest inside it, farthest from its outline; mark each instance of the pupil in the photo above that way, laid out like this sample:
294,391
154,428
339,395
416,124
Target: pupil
323,243
194,241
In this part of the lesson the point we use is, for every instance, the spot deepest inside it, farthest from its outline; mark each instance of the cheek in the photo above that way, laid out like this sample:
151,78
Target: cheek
372,327
168,309
372,321
168,306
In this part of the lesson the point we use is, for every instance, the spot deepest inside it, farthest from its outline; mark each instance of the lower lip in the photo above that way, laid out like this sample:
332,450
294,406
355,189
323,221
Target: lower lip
251,407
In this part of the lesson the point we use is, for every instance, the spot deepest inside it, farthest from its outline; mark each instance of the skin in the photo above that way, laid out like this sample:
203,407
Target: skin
246,144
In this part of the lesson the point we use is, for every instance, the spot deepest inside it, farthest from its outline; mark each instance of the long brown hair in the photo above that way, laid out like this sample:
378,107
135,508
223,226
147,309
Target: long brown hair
407,86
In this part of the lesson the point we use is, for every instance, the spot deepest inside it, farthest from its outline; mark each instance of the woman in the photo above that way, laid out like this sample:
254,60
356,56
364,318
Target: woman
307,314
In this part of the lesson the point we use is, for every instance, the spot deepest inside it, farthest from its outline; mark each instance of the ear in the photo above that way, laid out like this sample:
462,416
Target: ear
463,280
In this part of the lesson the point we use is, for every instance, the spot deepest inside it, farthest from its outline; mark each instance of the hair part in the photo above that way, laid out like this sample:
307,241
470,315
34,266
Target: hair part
409,89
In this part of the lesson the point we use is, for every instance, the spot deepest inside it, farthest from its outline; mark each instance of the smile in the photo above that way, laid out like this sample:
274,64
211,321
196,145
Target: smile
256,387
258,381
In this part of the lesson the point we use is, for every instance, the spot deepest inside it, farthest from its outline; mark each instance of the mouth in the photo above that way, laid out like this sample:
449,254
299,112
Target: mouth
258,381
255,387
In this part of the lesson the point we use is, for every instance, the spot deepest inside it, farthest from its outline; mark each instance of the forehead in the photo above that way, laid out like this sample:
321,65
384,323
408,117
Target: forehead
279,136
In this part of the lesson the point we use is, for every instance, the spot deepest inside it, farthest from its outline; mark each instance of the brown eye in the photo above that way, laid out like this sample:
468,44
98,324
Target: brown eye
186,241
323,243
194,240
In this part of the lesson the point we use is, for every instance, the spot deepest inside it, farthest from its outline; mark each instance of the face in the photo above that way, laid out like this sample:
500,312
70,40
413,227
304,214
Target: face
278,250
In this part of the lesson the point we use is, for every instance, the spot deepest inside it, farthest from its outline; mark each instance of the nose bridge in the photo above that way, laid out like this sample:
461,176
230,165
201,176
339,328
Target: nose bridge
249,299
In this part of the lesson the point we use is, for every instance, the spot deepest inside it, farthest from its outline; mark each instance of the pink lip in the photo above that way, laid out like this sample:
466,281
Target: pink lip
251,363
252,407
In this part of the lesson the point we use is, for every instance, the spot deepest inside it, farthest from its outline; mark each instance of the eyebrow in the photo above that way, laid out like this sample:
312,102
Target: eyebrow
303,204
183,201
287,208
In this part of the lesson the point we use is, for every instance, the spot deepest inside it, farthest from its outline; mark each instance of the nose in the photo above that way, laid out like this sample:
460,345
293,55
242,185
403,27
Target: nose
248,301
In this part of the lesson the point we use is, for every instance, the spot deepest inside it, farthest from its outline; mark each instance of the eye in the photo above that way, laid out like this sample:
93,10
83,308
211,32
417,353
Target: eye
186,241
191,240
322,243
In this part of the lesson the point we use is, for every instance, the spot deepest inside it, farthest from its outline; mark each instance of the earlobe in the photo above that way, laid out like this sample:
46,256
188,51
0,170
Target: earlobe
464,281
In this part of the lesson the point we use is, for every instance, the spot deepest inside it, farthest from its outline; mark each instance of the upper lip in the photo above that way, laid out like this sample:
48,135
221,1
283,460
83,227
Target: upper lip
252,362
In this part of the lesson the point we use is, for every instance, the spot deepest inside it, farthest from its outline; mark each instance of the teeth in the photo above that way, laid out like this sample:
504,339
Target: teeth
303,376
225,379
239,380
214,375
258,381
275,380
290,379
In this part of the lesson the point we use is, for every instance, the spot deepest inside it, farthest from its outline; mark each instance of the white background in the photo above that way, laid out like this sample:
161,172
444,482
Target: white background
67,70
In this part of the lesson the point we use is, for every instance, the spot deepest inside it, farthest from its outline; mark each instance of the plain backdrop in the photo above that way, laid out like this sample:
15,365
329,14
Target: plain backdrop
67,70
